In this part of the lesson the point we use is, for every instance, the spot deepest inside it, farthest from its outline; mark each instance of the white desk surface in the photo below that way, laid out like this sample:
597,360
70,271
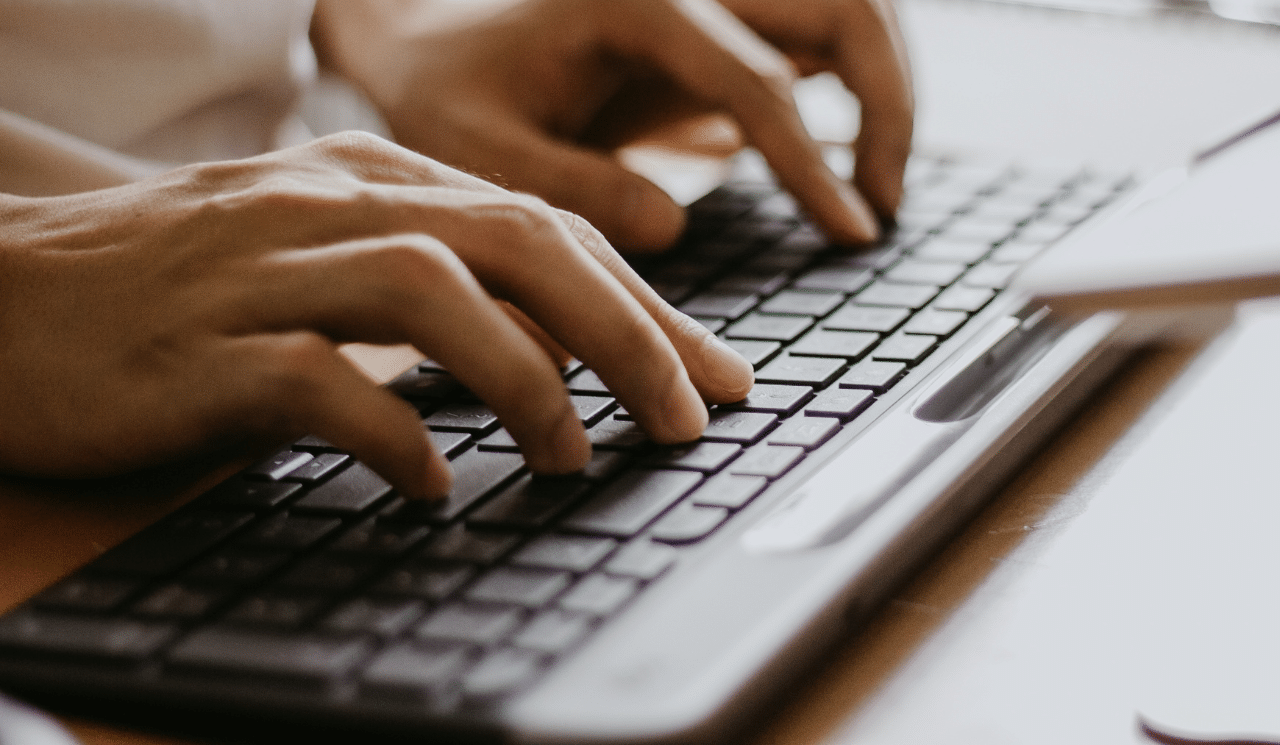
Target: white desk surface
1130,570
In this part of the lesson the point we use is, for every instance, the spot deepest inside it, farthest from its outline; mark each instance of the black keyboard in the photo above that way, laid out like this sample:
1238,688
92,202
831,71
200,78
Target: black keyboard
306,578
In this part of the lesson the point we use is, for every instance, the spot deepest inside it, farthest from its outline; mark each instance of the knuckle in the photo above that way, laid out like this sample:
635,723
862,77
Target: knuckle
522,218
352,146
414,263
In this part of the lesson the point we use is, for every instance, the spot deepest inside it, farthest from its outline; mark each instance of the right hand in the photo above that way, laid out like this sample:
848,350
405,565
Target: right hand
144,322
536,94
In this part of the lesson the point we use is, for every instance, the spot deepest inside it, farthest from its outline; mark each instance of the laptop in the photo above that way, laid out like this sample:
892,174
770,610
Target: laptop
665,594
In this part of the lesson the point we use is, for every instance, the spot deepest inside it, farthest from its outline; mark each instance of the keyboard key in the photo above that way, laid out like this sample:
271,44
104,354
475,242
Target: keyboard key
728,490
688,523
624,507
318,468
379,538
762,284
313,444
477,624
815,371
1017,251
873,375
714,304
87,594
249,495
866,318
278,466
755,352
925,272
236,565
501,672
451,444
714,325
180,601
969,299
945,249
529,503
500,441
849,345
778,206
305,659
425,385
113,639
615,434
586,381
803,303
381,616
459,543
908,348
591,409
769,328
701,456
276,609
553,631
291,531
426,579
804,240
172,542
474,419
896,295
1042,232
990,275
642,559
743,427
769,461
599,595
329,572
805,432
476,474
575,553
527,586
971,229
839,279
410,670
844,403
354,490
774,261
936,322
774,399
603,464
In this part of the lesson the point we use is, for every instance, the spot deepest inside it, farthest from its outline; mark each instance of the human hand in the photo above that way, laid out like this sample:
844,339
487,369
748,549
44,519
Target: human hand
142,322
519,92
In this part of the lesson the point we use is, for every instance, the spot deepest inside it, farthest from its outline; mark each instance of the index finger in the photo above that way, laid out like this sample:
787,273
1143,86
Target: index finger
710,51
872,62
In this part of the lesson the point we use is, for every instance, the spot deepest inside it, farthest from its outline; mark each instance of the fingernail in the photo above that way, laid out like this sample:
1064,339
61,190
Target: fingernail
726,368
684,416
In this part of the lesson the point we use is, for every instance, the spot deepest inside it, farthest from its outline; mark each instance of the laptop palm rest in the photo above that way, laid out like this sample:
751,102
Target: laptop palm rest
837,499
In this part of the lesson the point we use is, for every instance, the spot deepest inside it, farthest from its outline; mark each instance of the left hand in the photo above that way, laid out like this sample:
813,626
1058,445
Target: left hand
518,92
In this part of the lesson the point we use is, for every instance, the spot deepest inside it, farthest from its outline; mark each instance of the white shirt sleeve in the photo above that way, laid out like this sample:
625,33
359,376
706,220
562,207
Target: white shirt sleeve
96,92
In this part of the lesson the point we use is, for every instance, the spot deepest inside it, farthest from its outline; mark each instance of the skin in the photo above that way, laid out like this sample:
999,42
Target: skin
535,94
204,307
251,272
